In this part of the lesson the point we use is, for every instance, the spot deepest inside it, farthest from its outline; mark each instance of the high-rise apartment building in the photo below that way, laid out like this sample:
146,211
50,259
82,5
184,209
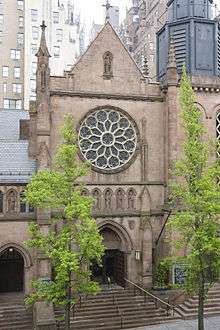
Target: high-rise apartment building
20,22
63,27
12,54
138,31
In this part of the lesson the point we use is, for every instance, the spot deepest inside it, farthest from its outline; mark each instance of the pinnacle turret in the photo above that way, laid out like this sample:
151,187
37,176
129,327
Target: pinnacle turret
43,50
171,55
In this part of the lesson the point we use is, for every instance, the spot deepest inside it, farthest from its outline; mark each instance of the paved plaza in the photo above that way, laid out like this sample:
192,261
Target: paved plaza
211,323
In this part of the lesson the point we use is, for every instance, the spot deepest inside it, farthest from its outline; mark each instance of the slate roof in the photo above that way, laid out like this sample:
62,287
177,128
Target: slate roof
15,165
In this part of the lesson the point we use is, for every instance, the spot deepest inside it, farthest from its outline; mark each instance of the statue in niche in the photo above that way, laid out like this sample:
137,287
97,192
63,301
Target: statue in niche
11,201
120,199
108,199
131,199
108,58
97,204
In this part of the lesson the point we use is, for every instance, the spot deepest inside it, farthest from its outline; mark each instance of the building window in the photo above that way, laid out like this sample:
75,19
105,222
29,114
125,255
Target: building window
17,72
20,4
5,88
33,98
1,35
21,21
34,49
34,68
25,207
1,18
34,15
17,88
20,38
33,85
59,34
72,37
56,51
5,71
35,32
55,17
6,104
12,104
15,54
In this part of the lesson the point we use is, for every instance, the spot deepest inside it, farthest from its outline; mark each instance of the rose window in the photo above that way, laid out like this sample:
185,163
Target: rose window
107,138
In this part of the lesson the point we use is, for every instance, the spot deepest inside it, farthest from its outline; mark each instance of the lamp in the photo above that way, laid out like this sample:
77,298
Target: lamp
138,255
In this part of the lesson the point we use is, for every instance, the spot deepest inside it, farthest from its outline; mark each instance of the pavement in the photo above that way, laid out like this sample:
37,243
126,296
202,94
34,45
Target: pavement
211,323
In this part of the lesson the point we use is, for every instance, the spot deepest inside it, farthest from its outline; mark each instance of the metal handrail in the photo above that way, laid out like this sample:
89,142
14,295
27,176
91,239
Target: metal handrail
156,299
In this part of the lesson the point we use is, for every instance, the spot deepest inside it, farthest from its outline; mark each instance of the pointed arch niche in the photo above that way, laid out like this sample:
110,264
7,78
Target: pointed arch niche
107,65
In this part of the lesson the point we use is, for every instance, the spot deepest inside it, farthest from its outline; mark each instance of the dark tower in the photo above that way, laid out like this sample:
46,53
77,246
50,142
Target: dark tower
196,38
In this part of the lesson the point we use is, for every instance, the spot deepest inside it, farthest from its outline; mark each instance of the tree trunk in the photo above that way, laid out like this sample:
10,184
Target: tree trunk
201,305
67,307
67,317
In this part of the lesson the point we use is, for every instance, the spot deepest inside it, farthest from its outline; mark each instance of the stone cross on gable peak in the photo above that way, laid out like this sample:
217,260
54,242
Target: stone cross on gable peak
43,26
107,6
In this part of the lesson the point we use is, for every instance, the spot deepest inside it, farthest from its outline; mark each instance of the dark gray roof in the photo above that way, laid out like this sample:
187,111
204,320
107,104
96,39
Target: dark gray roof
15,165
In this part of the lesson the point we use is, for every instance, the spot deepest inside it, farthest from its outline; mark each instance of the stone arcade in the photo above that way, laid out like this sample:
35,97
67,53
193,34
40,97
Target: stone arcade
130,131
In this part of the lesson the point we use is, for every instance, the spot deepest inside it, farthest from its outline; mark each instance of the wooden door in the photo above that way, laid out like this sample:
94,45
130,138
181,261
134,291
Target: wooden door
11,272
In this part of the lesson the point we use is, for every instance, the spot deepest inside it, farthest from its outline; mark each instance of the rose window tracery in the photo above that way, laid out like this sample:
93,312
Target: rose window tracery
107,138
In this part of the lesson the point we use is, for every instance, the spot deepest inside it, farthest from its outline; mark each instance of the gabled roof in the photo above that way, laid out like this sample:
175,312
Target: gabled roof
106,26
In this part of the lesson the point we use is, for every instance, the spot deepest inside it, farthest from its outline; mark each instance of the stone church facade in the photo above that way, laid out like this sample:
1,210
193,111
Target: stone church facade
130,131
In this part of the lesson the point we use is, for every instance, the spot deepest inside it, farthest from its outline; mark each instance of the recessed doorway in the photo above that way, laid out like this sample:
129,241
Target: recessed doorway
11,271
114,260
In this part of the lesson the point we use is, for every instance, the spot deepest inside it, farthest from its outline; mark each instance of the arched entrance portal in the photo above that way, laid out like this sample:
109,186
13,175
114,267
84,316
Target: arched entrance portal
114,261
11,270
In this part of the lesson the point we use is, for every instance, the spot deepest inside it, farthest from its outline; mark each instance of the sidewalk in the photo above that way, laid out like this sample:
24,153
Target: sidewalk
211,323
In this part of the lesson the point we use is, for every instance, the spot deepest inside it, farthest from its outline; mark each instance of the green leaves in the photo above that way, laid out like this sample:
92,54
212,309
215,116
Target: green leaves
196,197
73,239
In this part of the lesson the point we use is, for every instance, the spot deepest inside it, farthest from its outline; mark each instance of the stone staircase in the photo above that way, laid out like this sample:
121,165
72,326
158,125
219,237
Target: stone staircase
13,313
116,309
189,309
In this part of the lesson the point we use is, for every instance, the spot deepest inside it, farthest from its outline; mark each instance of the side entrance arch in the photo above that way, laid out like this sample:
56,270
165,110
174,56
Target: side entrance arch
11,270
114,263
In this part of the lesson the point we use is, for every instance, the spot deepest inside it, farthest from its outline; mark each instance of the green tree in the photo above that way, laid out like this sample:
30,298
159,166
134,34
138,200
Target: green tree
77,241
196,201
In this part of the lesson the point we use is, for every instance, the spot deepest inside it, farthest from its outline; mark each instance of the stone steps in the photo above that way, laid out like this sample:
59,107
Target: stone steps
13,313
101,312
189,308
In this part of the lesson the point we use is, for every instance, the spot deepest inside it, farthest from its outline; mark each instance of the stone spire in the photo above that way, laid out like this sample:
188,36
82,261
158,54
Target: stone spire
107,6
43,50
43,69
171,55
172,74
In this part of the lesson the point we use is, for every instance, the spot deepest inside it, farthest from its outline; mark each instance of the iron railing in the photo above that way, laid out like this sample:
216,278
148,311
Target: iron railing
157,301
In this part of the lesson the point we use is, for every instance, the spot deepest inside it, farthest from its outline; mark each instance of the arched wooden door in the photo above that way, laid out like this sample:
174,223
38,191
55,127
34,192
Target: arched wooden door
11,271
